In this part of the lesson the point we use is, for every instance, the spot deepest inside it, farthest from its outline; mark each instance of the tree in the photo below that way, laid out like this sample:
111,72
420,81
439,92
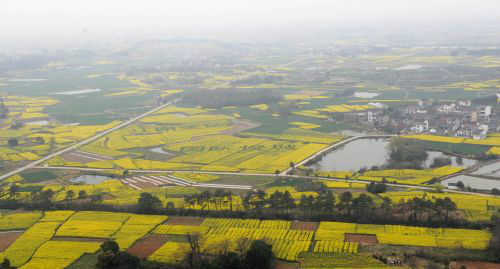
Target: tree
70,195
259,256
40,140
460,185
82,194
494,244
13,191
277,172
193,255
362,206
440,161
148,203
112,258
6,264
438,188
110,245
42,199
386,205
170,206
495,191
4,111
13,142
288,201
376,188
226,260
329,202
345,201
405,153
304,205
446,205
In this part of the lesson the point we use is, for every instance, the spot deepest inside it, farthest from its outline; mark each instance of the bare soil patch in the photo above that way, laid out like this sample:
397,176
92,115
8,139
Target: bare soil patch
474,265
190,221
147,245
369,239
6,239
306,226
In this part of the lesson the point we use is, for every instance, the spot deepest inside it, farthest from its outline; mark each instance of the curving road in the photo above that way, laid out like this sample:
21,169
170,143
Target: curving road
266,175
97,136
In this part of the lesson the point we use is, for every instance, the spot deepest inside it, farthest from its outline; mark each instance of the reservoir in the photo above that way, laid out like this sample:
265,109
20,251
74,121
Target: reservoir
368,152
90,179
473,182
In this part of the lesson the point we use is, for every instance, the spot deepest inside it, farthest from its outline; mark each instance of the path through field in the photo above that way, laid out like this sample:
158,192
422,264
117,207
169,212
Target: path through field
84,142
104,133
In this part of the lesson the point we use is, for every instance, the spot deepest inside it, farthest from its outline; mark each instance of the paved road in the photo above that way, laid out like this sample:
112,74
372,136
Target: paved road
91,139
84,142
430,188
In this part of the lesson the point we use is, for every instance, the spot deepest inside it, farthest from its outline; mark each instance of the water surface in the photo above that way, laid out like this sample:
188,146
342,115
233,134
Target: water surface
368,152
77,92
473,182
90,179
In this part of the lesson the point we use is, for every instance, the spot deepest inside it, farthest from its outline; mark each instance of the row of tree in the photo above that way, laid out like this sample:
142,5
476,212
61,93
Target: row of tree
224,98
325,206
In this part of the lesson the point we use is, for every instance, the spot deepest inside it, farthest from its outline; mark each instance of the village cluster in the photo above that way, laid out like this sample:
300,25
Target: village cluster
459,118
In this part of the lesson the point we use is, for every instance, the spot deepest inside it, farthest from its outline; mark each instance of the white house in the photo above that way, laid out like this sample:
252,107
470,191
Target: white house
446,108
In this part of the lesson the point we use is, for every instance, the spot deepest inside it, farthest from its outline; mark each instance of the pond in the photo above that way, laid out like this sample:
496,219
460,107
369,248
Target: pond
408,67
90,179
473,182
27,79
77,92
492,169
367,95
39,122
369,152
160,150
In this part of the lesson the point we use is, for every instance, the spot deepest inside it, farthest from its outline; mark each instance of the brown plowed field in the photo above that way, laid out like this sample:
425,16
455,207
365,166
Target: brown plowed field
6,239
190,221
361,238
306,226
147,245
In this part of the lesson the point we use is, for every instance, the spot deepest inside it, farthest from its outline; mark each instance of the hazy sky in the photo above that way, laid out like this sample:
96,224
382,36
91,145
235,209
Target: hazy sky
46,19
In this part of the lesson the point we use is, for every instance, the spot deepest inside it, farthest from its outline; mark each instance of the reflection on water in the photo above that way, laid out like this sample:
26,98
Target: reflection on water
160,151
490,170
90,179
473,182
369,152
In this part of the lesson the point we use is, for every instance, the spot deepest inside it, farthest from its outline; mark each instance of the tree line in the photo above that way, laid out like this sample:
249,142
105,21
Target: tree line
223,98
325,206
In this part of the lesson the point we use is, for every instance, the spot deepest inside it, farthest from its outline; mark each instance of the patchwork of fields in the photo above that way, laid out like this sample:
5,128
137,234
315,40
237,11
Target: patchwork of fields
193,139
74,234
459,145
37,135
